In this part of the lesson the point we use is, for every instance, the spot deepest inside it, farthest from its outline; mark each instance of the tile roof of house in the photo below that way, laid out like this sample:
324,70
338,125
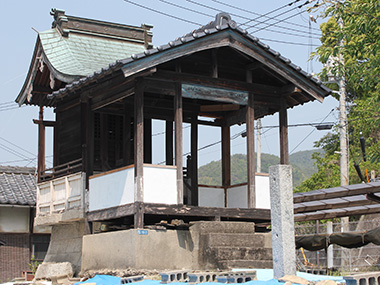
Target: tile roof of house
18,185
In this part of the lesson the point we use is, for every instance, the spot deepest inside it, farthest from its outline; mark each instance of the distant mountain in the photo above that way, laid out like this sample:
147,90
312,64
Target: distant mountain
303,168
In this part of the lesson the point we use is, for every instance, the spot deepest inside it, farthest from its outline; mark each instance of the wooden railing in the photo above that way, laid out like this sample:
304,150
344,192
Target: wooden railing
61,194
61,170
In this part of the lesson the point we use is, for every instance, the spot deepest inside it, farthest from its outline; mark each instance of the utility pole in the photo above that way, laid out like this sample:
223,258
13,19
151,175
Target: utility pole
342,116
258,126
344,178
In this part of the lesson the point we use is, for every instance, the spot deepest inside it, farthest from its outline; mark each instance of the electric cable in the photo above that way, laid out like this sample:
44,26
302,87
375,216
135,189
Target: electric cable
260,15
310,133
162,13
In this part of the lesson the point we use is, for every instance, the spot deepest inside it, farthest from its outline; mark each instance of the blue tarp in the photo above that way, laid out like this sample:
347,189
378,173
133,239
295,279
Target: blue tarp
102,279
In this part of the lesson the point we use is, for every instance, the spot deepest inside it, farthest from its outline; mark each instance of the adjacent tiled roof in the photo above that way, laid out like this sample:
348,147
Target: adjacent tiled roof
80,55
17,185
204,31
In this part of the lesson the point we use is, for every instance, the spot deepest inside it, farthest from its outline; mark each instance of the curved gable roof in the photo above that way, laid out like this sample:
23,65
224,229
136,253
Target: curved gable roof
227,34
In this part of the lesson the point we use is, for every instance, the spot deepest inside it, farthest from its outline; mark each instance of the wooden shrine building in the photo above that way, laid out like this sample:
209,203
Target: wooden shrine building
106,83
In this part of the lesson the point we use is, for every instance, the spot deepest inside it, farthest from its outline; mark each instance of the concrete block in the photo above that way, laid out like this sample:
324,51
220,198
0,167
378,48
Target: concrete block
237,276
368,278
282,218
174,276
48,270
201,277
132,279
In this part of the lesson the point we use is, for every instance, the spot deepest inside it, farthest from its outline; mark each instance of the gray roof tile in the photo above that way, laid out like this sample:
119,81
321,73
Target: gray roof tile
17,185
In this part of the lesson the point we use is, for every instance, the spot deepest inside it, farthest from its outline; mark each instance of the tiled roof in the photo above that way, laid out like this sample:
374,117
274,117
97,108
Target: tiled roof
80,55
204,31
17,185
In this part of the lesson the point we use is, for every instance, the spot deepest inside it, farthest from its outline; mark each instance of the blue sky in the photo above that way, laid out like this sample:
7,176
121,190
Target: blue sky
21,19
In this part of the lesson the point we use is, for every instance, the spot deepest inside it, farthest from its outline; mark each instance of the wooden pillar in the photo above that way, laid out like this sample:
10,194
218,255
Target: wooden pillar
226,160
284,144
169,142
56,145
139,141
251,169
127,157
147,140
178,141
194,160
104,142
87,130
41,145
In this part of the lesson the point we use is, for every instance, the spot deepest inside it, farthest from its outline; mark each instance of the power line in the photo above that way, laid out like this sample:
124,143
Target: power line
279,21
286,42
185,8
162,13
270,12
310,133
257,14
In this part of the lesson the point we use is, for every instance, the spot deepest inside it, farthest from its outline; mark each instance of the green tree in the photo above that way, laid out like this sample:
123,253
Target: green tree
361,52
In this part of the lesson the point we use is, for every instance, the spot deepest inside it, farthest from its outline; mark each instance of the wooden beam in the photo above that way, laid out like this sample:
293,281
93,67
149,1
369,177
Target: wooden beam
237,117
337,192
194,160
178,119
331,214
180,211
251,167
169,142
147,140
284,141
337,203
139,141
41,145
219,108
45,123
171,76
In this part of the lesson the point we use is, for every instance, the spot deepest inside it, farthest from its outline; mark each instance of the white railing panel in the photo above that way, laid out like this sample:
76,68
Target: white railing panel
60,194
237,197
211,196
160,184
111,189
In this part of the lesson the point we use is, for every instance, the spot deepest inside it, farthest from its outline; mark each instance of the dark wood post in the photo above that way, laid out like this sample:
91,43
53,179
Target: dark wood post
226,160
41,145
139,142
87,132
194,160
251,167
139,152
178,141
127,135
169,142
284,144
147,140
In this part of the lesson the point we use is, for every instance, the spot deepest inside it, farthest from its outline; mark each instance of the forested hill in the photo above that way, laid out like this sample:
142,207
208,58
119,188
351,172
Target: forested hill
303,168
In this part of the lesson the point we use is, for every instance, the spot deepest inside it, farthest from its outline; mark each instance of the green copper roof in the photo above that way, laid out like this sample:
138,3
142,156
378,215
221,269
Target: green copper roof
82,54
